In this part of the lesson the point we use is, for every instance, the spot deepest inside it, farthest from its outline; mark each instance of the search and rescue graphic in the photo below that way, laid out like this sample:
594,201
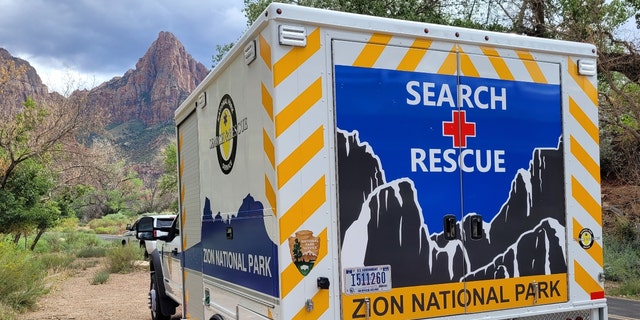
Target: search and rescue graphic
483,150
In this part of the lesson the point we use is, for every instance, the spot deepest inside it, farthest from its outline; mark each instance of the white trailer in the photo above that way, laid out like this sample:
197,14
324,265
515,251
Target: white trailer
342,166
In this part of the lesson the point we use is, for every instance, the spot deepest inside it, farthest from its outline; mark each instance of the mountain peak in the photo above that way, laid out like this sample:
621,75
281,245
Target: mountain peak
151,92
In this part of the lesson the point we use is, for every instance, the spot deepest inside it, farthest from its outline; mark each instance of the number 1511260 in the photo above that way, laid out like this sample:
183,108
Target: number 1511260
367,279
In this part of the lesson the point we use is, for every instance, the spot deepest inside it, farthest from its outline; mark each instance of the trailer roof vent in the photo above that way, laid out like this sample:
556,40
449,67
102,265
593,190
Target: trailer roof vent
293,36
587,67
250,52
202,100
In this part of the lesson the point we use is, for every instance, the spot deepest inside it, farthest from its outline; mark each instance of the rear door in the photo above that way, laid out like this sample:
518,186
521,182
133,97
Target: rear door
399,179
512,174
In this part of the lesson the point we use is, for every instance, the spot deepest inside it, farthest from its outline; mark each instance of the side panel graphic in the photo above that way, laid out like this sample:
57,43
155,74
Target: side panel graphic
484,146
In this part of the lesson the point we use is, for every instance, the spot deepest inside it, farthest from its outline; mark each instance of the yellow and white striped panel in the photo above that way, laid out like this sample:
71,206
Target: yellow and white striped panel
583,174
295,144
396,53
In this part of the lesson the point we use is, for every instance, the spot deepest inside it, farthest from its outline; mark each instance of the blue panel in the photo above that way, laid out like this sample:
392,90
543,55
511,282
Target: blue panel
249,258
406,118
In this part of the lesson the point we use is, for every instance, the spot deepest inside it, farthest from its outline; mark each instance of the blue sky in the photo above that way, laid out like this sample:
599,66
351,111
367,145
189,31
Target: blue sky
87,42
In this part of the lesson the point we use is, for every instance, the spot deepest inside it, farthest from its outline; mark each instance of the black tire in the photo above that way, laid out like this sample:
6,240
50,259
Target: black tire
156,314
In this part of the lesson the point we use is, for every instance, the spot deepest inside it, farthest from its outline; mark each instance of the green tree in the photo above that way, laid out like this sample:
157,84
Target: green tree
169,179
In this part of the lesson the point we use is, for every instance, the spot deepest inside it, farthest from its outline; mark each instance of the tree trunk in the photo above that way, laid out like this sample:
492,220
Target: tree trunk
35,241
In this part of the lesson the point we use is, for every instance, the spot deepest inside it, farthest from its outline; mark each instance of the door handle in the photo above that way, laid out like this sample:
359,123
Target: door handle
449,229
477,232
174,251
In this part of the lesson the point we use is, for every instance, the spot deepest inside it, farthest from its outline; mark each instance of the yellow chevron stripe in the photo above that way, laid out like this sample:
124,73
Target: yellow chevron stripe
498,63
269,149
450,64
300,156
308,203
532,66
295,58
267,101
589,89
372,50
292,112
414,55
586,200
265,51
466,65
291,276
585,159
595,251
585,280
270,194
320,305
582,118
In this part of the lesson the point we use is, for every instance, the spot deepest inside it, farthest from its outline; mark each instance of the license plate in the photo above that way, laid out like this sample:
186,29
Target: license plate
367,279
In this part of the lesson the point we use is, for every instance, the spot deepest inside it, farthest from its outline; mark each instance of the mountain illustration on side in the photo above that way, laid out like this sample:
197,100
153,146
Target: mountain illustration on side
389,228
238,247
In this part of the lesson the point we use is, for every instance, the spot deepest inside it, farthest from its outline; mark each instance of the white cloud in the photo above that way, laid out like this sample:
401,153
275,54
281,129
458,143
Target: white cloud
96,40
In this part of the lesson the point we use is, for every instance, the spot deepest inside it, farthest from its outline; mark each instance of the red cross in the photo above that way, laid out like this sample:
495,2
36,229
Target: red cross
459,129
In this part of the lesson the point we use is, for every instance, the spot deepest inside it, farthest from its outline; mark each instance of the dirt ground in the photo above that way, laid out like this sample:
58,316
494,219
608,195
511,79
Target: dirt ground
72,296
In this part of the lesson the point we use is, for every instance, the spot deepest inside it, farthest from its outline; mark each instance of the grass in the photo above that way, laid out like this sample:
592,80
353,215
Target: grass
62,251
92,252
621,261
21,278
122,259
100,277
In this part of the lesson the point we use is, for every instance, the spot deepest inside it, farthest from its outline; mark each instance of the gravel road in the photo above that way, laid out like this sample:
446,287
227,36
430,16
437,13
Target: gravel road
123,296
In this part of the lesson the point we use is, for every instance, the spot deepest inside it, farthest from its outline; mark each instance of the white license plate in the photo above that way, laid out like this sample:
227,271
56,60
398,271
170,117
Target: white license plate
367,279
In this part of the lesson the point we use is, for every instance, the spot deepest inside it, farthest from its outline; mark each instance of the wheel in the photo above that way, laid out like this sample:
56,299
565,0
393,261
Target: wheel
154,302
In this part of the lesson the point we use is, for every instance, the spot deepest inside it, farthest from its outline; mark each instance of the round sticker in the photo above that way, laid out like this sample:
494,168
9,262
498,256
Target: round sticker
226,123
585,238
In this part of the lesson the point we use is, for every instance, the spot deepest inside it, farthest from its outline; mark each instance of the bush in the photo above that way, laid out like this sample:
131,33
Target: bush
6,313
631,287
55,262
122,259
65,242
110,224
621,263
100,277
21,278
92,252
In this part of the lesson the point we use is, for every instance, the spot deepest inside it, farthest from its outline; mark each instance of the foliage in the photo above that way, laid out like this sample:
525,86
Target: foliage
55,262
100,277
169,179
122,259
621,256
416,10
21,278
111,224
221,51
69,242
92,252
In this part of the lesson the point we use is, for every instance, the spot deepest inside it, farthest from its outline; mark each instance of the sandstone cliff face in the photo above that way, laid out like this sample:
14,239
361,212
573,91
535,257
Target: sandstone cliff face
19,86
152,91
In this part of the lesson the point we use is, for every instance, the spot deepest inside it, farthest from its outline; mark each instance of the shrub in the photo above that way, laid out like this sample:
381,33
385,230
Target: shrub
92,252
55,262
84,264
100,277
106,230
122,259
21,278
110,224
6,313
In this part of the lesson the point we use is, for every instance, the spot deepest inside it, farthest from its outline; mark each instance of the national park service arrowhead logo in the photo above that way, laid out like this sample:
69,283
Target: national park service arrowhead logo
304,248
